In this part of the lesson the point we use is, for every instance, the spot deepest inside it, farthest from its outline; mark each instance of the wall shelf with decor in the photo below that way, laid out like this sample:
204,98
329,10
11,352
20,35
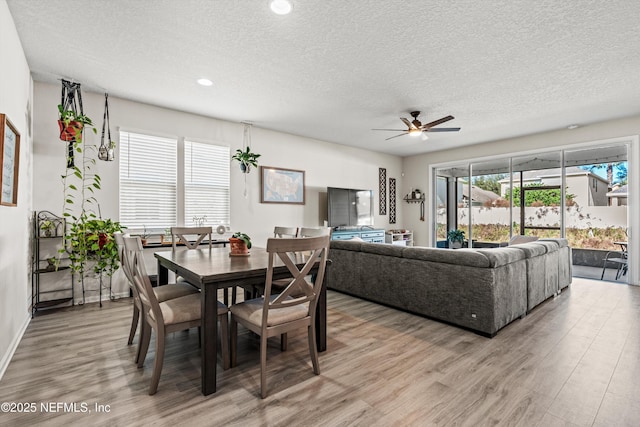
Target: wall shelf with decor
47,238
399,237
410,198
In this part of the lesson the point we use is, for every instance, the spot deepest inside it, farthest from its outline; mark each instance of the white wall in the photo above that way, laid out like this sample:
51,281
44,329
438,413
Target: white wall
417,169
325,164
15,283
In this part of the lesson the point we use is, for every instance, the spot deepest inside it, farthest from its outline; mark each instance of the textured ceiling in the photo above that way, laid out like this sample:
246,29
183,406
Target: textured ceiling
333,70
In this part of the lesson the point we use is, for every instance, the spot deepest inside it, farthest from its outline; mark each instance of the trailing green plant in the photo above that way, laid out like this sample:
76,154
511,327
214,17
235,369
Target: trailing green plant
242,236
87,237
246,159
93,240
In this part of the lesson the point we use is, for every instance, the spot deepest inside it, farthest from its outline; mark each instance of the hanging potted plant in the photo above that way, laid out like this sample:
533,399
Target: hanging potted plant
240,244
246,159
71,124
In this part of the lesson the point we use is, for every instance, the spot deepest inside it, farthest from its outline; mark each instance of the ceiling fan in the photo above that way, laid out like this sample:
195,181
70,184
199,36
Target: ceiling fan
415,127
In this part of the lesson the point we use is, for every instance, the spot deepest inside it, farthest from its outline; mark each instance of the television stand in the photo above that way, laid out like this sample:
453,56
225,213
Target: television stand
367,234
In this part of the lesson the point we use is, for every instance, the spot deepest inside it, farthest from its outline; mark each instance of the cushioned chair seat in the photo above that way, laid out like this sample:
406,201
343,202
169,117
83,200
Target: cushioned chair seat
251,311
183,309
177,290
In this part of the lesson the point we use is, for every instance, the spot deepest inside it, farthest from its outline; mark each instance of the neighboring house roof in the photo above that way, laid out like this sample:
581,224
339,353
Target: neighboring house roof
478,194
555,172
621,191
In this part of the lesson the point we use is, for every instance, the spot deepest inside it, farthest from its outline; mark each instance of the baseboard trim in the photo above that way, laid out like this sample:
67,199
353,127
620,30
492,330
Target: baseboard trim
6,358
105,297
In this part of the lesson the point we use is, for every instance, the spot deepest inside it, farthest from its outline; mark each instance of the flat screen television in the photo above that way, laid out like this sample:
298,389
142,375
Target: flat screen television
348,207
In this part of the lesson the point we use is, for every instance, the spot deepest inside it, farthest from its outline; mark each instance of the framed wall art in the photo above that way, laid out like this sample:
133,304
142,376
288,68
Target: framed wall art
10,157
280,185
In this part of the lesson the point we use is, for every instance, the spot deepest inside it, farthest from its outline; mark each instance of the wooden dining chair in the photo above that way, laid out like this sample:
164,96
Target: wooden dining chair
186,236
295,307
283,232
279,233
182,234
166,317
163,293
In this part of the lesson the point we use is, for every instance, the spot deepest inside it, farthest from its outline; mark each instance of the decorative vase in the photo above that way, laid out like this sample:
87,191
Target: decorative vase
238,247
455,244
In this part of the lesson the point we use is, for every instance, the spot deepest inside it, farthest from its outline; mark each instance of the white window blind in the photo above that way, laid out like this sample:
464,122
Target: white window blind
206,184
148,181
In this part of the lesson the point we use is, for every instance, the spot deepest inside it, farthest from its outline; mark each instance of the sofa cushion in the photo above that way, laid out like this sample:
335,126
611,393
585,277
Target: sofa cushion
347,245
550,245
377,248
562,243
532,249
467,257
501,256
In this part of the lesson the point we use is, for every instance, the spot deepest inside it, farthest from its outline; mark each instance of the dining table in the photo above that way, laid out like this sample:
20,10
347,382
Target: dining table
213,269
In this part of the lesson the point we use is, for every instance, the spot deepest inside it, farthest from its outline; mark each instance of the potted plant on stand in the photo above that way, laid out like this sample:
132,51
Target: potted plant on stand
456,238
246,159
48,228
240,244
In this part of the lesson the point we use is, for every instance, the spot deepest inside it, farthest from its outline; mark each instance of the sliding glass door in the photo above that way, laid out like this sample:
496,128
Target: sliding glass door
489,209
536,194
580,194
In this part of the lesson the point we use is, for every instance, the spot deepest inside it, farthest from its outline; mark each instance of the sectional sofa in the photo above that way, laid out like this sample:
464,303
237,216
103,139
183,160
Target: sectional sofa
482,290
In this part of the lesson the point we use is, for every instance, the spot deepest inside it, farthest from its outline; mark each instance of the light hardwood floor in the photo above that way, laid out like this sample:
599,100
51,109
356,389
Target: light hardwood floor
575,360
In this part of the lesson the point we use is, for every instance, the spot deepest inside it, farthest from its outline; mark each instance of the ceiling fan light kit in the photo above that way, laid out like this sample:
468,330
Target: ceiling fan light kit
415,127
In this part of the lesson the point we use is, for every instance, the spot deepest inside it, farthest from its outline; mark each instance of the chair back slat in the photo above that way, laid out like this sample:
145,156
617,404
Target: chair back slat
285,232
135,260
311,251
179,235
119,238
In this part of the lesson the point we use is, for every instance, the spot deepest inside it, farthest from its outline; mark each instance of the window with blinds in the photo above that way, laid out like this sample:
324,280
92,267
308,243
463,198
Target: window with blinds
206,184
148,181
149,193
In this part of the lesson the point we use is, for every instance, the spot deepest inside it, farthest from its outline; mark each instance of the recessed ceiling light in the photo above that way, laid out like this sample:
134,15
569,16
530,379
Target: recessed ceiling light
573,127
205,82
281,7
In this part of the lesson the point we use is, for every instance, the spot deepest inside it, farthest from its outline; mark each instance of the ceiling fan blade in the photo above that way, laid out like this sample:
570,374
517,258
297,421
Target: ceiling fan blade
395,130
442,130
408,123
395,136
437,122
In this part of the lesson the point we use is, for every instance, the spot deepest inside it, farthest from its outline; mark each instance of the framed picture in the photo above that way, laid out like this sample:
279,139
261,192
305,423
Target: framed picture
10,157
281,185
